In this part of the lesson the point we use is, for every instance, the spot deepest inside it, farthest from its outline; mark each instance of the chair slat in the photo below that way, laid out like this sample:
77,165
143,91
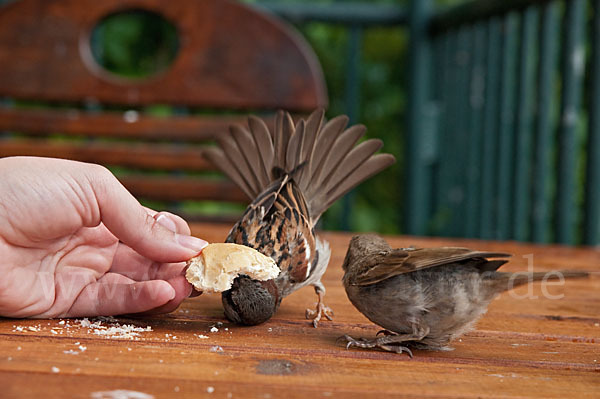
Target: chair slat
115,124
543,140
131,155
573,59
174,188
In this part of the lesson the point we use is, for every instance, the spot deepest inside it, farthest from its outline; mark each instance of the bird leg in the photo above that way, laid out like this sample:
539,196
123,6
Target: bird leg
390,341
321,310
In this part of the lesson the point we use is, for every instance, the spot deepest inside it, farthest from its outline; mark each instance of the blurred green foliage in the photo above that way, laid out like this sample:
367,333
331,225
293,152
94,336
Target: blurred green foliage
134,43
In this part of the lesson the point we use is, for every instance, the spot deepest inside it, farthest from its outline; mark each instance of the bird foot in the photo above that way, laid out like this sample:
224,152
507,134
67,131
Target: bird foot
377,343
320,311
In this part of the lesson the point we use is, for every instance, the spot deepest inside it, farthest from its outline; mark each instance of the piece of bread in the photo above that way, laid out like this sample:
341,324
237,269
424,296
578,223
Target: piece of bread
219,264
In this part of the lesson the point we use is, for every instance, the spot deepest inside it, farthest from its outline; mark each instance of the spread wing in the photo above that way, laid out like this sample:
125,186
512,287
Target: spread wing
391,263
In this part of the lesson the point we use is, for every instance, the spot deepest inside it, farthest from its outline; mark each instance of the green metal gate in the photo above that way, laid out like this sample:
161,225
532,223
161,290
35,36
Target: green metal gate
504,134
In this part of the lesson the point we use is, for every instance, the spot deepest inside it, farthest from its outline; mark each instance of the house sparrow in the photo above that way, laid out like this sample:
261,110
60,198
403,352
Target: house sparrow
293,175
424,297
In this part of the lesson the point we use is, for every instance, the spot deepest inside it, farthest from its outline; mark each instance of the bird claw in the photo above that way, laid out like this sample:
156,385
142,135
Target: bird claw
374,343
385,332
396,348
362,343
320,311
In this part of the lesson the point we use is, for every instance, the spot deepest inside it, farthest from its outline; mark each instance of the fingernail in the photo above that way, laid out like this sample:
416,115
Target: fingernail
173,294
166,222
191,242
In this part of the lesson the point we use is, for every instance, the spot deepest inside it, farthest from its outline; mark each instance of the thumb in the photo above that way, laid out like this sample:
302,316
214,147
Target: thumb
131,223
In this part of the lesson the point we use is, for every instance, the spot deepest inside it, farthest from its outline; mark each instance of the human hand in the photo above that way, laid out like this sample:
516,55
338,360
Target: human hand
74,242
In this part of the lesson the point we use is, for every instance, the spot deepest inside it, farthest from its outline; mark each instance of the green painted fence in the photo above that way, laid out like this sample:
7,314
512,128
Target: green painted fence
503,118
516,92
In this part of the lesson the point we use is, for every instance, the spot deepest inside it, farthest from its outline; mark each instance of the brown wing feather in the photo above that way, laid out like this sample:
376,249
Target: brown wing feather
370,167
339,150
326,137
264,143
219,159
252,157
400,261
235,157
294,150
312,128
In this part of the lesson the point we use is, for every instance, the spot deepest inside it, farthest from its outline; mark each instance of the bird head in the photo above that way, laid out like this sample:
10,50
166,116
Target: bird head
361,246
250,302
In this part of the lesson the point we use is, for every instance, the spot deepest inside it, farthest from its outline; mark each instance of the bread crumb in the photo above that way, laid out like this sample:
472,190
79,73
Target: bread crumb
114,330
55,369
210,389
216,349
214,329
120,394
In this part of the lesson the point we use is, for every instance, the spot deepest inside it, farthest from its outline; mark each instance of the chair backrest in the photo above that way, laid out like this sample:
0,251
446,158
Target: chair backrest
230,57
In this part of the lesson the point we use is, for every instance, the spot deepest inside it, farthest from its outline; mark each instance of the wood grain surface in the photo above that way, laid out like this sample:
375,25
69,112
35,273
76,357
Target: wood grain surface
523,347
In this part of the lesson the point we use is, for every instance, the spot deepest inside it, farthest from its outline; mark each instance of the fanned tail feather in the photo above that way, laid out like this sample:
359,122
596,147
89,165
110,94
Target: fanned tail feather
325,159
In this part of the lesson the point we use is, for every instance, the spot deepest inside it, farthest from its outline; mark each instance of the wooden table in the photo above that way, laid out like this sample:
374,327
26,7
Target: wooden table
522,347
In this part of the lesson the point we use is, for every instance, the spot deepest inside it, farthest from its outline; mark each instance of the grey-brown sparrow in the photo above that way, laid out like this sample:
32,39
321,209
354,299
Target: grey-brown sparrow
425,297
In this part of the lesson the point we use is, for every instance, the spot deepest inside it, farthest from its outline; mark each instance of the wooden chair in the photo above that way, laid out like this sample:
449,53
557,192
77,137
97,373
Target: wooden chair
230,57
